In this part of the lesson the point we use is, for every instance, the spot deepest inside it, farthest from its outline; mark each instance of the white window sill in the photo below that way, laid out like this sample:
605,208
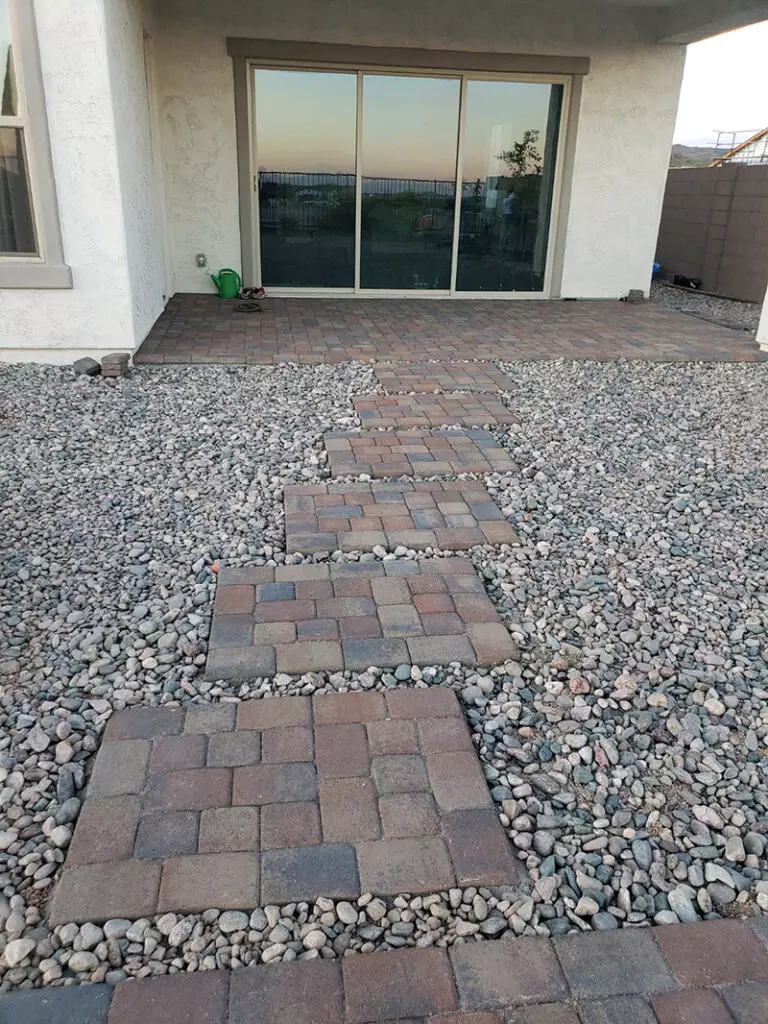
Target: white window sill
31,274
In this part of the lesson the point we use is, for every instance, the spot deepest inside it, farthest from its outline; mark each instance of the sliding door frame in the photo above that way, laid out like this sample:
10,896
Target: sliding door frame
245,110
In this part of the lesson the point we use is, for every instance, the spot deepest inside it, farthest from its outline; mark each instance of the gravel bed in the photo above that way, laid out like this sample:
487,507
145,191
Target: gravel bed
626,748
742,316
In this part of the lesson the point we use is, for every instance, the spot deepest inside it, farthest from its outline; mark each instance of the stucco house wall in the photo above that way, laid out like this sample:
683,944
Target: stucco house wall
628,105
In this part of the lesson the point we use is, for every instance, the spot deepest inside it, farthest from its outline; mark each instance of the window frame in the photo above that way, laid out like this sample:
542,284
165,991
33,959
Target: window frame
47,268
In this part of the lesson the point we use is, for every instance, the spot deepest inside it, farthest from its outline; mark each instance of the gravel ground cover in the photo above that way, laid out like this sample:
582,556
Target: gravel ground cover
742,316
626,744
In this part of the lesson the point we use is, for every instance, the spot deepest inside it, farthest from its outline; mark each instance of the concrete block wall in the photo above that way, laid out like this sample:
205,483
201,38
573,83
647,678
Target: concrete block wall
714,225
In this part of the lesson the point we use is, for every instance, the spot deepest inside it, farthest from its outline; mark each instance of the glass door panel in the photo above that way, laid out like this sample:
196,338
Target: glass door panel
408,161
306,126
508,157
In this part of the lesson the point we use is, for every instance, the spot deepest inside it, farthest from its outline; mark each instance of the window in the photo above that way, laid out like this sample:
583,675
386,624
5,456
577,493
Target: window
30,241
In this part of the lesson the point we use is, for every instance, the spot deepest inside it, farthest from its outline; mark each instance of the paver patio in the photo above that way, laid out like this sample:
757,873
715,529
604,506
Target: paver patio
206,329
395,453
518,981
273,801
406,411
350,615
358,516
427,378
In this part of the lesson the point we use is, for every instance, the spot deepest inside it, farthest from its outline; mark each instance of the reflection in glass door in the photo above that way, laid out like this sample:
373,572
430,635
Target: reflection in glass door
306,126
408,157
509,147
404,182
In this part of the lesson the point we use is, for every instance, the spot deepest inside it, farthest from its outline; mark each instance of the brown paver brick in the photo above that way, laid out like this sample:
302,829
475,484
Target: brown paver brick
392,736
347,707
419,865
292,743
285,825
167,834
324,330
318,629
306,872
438,735
449,409
507,973
694,1006
232,630
303,993
341,750
98,892
492,643
274,784
234,600
273,713
407,815
234,749
348,810
144,723
423,702
227,881
210,718
105,830
479,849
172,753
397,984
425,378
400,773
475,608
442,623
229,830
713,953
360,626
191,789
309,656
185,998
624,962
281,611
457,781
120,768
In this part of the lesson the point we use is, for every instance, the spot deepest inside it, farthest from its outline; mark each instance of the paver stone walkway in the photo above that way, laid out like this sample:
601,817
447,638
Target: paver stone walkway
395,453
428,378
443,410
279,800
449,515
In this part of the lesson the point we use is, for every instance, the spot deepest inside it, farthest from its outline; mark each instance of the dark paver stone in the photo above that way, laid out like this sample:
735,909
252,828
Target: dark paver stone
383,652
747,1002
199,997
144,723
192,789
618,1010
613,963
289,825
234,749
398,984
507,973
544,1013
172,753
85,1004
167,834
400,773
307,872
274,783
291,993
479,849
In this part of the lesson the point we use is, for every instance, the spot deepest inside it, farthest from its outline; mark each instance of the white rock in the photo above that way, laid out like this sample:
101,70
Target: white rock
18,950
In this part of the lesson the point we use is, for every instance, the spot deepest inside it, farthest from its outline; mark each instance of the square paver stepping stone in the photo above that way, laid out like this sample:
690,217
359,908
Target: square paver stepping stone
339,616
395,453
427,378
462,410
449,515
384,794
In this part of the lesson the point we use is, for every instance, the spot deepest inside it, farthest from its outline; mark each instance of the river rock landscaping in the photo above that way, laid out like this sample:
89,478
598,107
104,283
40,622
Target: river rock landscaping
625,742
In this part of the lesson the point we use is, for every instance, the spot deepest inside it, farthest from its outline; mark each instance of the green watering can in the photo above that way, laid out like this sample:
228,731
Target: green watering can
228,282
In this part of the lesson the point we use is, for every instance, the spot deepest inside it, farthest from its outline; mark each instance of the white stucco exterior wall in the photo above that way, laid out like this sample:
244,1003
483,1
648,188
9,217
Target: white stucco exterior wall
625,129
762,330
92,59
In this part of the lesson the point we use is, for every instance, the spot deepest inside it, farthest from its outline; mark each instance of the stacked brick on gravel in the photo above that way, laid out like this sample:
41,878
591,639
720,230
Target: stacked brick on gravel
451,516
406,411
273,801
430,378
395,453
350,615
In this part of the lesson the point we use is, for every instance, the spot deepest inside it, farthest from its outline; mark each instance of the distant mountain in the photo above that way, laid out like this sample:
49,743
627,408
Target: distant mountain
691,156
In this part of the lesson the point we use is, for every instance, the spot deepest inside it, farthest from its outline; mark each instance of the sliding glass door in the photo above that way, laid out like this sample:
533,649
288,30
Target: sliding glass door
376,182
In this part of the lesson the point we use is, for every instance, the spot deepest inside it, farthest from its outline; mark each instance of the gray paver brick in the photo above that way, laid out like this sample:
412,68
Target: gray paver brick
624,962
168,834
234,749
274,783
307,872
384,652
120,768
507,973
210,718
84,1004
